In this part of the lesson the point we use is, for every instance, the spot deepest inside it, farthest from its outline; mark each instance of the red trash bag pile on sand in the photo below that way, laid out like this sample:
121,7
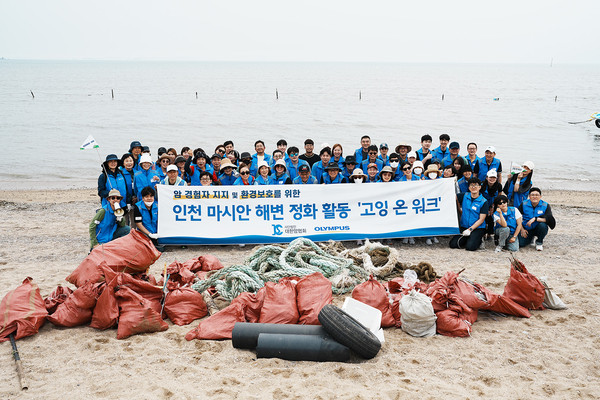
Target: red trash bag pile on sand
22,311
289,301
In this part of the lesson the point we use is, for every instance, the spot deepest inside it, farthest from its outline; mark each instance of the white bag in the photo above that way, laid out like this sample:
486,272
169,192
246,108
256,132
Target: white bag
551,299
417,316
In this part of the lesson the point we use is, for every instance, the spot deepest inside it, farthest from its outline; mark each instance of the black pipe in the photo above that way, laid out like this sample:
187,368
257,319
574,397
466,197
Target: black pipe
245,334
301,347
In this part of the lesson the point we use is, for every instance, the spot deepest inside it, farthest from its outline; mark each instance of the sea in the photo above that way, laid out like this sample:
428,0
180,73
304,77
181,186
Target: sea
49,108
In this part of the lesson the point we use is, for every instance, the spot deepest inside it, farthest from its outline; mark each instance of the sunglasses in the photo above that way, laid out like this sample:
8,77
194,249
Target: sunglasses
245,173
406,169
165,160
502,202
293,154
373,153
114,198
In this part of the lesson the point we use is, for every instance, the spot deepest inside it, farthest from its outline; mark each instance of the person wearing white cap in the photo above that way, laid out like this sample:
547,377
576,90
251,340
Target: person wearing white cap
518,186
146,177
418,169
490,189
172,177
489,162
280,176
262,174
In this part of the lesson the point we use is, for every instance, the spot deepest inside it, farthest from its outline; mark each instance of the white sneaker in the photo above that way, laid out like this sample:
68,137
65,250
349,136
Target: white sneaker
411,241
428,242
405,241
498,249
359,242
482,245
533,241
242,245
435,240
539,247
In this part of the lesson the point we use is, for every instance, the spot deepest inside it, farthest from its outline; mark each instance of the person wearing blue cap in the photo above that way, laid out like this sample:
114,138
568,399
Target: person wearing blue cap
112,178
135,148
448,160
383,154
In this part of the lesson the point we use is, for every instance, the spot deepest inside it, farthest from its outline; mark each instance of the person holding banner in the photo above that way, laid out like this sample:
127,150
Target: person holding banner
206,179
105,225
358,176
473,208
263,177
111,178
145,177
146,216
304,177
245,178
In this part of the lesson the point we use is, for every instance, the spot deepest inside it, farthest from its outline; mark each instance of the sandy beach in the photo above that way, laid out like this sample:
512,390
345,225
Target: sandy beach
44,235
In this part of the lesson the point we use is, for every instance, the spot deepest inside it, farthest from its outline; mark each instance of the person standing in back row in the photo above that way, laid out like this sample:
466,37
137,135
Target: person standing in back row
489,162
362,153
309,156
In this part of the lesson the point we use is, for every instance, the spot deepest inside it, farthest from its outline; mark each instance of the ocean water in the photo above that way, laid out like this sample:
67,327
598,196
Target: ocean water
156,103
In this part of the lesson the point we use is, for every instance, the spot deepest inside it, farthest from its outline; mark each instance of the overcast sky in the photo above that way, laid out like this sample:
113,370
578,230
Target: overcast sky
507,31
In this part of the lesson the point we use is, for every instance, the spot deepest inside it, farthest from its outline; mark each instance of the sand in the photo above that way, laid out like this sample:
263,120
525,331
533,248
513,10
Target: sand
43,234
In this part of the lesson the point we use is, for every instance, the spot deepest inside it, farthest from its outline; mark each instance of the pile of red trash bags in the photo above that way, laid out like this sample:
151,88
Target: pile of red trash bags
292,300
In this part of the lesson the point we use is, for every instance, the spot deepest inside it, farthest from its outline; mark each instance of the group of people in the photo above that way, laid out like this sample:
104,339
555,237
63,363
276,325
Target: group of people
487,208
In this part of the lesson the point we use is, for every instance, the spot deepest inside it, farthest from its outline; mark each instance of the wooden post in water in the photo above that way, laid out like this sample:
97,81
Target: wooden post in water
276,94
112,93
196,95
555,98
442,97
360,95
32,95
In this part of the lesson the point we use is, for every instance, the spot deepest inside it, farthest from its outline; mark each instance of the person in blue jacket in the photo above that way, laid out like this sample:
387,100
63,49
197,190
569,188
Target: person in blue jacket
105,225
472,158
127,168
441,151
424,154
227,176
473,209
453,149
135,149
172,177
259,156
280,176
318,169
490,189
407,173
146,215
263,177
537,218
349,166
383,154
194,167
111,178
372,173
304,177
146,177
402,150
337,154
161,165
489,162
245,179
362,153
466,173
507,224
332,174
294,162
386,174
518,186
372,159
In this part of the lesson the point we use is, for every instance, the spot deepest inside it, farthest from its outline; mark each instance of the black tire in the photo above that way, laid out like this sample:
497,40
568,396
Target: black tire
597,122
349,332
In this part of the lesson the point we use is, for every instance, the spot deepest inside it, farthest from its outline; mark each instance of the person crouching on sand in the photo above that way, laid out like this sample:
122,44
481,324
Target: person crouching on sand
105,225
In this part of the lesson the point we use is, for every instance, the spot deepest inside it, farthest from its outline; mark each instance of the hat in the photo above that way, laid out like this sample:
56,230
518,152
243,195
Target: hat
490,148
145,158
387,168
304,168
408,146
372,165
161,150
357,172
384,146
200,155
411,154
395,156
417,164
226,163
145,149
281,162
432,168
492,173
172,168
245,155
179,159
262,164
220,157
454,145
350,160
332,165
164,155
528,164
133,144
114,192
112,157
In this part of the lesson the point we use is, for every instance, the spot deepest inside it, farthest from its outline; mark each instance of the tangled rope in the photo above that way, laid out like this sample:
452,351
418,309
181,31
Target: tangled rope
270,263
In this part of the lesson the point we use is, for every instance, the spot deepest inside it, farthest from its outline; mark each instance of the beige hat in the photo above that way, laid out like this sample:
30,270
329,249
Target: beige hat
281,162
226,163
262,164
358,172
387,168
432,168
408,146
114,192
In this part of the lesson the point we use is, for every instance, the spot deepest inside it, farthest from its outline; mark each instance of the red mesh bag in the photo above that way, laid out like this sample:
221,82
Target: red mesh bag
131,253
136,315
313,292
58,296
184,305
77,308
523,287
455,322
251,303
219,325
280,306
210,262
374,294
22,311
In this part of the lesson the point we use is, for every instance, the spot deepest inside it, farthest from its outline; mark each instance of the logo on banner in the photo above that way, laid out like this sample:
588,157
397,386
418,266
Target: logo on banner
277,230
331,228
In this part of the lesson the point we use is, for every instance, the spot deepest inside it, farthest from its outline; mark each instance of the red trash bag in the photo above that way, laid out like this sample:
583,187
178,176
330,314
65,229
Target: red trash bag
455,322
22,311
58,296
184,305
106,312
313,292
374,294
279,306
193,264
153,294
219,325
136,315
180,273
77,309
210,262
131,253
500,303
251,303
523,287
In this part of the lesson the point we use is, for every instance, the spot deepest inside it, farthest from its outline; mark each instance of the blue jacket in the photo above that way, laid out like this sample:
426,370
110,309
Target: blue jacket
240,182
261,181
385,161
292,169
473,164
516,197
414,177
340,162
280,180
107,227
366,163
143,179
421,156
325,178
180,183
484,167
511,220
358,154
529,211
439,154
471,210
448,160
463,185
311,181
129,176
254,165
227,180
149,217
112,181
318,170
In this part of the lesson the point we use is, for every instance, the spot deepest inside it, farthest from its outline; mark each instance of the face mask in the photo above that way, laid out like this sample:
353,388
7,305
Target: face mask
394,164
432,175
148,203
418,170
358,180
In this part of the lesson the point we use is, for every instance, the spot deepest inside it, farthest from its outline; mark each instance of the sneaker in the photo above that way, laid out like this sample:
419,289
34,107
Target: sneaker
482,245
428,242
435,240
498,249
533,241
411,241
405,241
359,243
539,247
242,244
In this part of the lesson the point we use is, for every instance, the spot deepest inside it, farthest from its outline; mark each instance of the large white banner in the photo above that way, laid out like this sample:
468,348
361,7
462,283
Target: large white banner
282,213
